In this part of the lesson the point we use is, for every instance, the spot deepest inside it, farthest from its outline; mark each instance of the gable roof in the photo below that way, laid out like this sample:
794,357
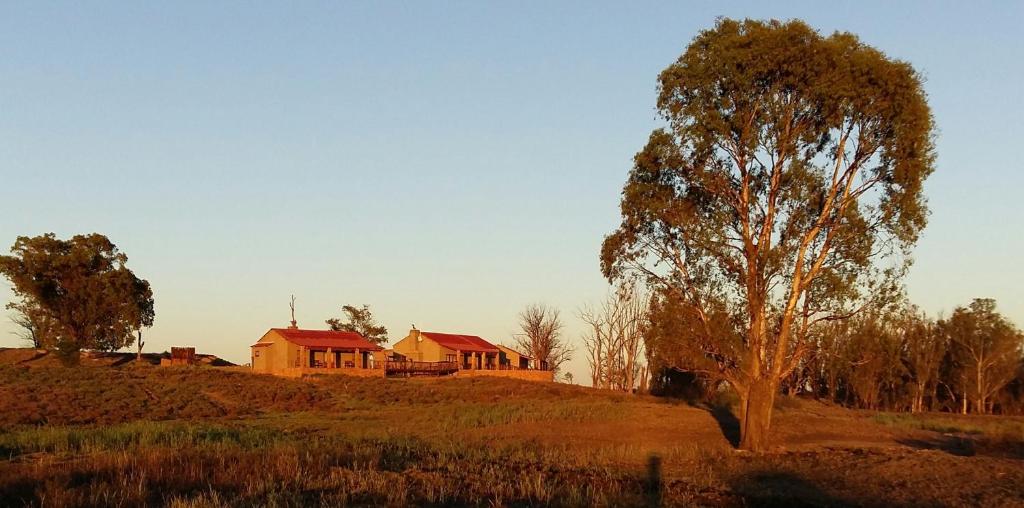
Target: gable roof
469,343
326,338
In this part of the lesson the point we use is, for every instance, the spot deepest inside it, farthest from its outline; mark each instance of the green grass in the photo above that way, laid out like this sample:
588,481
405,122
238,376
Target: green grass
950,424
467,416
130,436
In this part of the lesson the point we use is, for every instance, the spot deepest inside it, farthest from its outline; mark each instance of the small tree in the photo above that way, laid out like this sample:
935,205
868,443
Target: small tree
541,337
785,189
360,320
873,351
987,349
80,291
925,347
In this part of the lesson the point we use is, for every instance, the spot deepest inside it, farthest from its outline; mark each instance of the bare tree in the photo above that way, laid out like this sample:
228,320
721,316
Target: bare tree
615,339
26,329
139,343
34,325
594,342
541,337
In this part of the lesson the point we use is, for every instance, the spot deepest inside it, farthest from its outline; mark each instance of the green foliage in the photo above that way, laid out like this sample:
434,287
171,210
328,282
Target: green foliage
898,359
77,294
785,188
987,350
360,320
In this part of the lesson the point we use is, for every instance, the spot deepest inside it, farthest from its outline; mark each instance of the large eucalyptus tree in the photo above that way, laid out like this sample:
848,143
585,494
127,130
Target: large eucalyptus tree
785,189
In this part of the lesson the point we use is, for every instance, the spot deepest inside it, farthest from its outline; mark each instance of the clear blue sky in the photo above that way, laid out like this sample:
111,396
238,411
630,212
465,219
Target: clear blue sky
447,163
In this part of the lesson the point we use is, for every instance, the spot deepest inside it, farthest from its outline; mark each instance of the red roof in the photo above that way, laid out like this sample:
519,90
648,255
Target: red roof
462,342
326,338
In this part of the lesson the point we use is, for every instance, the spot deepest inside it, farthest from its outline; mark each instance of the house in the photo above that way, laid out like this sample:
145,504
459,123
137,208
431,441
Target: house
466,351
296,352
461,355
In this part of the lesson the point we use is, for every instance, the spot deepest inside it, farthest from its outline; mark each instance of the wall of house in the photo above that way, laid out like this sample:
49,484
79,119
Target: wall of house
280,354
511,356
424,350
260,357
269,359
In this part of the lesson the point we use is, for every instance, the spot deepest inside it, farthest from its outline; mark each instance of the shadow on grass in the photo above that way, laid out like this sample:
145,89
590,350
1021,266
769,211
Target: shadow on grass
653,485
968,446
951,444
36,356
727,423
780,488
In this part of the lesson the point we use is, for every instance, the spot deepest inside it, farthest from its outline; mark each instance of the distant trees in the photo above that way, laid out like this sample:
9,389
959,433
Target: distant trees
784,190
926,346
896,358
360,320
614,340
987,349
541,336
76,294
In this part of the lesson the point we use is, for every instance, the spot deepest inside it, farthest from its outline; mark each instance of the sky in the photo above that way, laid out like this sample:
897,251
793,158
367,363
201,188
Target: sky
446,163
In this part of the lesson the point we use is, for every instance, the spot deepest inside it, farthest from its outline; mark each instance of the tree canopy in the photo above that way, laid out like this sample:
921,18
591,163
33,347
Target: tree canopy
360,320
784,190
987,349
77,294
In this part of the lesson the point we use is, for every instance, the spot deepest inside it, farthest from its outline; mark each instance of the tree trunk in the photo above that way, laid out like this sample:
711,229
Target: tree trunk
980,398
757,417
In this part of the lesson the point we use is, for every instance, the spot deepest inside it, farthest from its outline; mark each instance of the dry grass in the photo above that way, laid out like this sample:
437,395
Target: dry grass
205,437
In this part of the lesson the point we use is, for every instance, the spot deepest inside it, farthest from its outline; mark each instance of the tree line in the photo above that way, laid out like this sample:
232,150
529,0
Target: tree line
884,357
892,358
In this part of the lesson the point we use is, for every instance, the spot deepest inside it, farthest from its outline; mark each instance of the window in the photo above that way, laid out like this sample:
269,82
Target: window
257,353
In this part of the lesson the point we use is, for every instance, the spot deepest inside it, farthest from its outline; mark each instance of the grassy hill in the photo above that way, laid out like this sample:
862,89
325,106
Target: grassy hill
133,435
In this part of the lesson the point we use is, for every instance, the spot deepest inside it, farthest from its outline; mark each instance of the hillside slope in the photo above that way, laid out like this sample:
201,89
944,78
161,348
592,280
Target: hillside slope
205,436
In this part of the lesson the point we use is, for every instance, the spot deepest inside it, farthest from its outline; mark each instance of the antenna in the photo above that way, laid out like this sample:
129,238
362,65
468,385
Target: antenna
292,305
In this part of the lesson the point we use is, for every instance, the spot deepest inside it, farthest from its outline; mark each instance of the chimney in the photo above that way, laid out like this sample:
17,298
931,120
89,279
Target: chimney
415,334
